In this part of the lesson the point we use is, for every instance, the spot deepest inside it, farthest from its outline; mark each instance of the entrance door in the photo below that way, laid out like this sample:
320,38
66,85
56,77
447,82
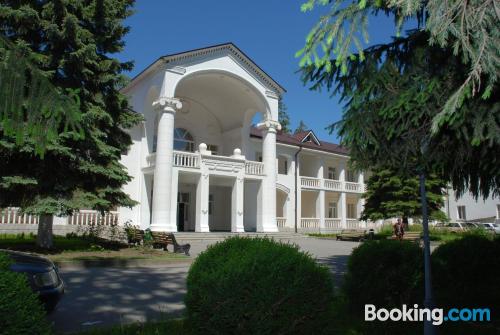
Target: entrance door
182,210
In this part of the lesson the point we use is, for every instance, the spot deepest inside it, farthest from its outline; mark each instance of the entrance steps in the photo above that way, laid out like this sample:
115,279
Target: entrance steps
212,236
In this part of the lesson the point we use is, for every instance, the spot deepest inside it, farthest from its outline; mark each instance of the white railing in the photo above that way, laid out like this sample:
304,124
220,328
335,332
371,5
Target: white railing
90,217
334,185
352,187
309,223
254,168
186,159
310,182
281,222
13,215
333,223
353,224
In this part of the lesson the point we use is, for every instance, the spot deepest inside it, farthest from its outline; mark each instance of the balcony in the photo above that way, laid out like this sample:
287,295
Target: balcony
195,160
331,185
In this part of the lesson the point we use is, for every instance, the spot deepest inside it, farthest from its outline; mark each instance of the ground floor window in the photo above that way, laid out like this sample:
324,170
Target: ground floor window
351,211
461,212
332,210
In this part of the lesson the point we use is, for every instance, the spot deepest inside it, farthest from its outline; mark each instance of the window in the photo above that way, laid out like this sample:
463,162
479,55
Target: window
183,140
461,212
332,210
351,211
350,176
332,173
213,148
210,204
258,157
282,165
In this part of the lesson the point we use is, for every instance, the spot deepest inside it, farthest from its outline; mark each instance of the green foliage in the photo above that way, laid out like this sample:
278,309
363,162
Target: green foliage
392,99
283,117
21,311
301,127
390,195
174,326
470,30
71,43
30,105
385,273
470,266
257,286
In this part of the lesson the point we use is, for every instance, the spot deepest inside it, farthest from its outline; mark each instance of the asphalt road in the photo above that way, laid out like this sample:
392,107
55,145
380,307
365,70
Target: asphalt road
102,296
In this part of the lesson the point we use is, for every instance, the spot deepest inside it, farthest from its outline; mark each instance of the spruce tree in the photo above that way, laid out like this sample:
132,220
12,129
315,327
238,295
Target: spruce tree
391,194
71,41
301,127
283,117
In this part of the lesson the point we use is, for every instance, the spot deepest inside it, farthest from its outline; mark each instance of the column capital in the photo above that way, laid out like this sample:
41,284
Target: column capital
166,104
269,125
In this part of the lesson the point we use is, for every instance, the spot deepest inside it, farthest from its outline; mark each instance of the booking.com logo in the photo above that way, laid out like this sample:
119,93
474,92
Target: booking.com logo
416,314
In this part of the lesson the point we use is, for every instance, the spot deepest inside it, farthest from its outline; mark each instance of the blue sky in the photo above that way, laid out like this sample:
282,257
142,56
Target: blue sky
268,31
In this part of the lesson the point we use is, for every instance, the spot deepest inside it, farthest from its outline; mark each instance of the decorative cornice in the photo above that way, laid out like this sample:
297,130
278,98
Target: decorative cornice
176,69
272,95
166,104
236,53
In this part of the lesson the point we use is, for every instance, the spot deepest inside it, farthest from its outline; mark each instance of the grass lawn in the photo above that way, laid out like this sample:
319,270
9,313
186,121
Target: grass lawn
85,248
176,326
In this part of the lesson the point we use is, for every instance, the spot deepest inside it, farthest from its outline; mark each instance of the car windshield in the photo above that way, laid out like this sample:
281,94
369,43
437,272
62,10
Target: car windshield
496,225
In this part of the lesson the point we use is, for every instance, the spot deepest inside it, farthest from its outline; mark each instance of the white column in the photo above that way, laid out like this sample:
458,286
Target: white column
343,199
202,192
237,205
268,213
321,206
162,191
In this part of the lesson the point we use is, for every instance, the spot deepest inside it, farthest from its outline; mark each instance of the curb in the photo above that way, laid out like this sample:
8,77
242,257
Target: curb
119,263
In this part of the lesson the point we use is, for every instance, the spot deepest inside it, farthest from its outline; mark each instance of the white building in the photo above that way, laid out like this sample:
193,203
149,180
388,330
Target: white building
467,208
198,163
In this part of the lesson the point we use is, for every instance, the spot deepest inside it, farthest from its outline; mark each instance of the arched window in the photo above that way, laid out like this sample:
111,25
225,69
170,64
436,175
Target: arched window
183,140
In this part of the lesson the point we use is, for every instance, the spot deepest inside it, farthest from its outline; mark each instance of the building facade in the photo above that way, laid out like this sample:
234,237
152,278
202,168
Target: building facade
200,163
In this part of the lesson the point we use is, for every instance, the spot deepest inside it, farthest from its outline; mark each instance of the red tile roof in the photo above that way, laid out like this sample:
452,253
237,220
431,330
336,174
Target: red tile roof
296,140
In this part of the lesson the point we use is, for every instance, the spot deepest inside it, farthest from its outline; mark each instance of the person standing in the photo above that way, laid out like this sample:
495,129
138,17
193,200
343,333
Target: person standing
399,230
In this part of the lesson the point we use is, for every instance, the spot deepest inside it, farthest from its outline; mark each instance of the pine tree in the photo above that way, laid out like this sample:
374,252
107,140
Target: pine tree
72,42
283,117
391,194
301,127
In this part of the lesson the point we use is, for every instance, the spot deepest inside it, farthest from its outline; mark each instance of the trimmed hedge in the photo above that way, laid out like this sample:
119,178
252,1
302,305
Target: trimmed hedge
466,274
257,286
385,273
21,311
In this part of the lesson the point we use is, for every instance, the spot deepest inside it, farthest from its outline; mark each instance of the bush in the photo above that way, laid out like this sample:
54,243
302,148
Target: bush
257,286
21,311
385,273
466,273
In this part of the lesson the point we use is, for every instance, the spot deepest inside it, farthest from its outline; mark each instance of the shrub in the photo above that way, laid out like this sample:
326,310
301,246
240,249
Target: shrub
21,311
466,272
257,286
385,273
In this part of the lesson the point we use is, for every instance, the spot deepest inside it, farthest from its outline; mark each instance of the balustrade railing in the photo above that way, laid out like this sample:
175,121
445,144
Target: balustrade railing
90,217
333,223
352,187
334,185
310,182
254,168
309,223
281,222
186,159
13,215
353,224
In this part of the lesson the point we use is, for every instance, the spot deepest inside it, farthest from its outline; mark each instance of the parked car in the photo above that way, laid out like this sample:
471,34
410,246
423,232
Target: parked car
456,227
493,227
42,275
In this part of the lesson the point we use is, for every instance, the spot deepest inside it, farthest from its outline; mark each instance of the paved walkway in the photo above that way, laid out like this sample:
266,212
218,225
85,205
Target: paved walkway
105,296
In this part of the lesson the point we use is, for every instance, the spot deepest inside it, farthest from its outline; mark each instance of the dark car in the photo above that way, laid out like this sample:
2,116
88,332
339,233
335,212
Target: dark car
42,275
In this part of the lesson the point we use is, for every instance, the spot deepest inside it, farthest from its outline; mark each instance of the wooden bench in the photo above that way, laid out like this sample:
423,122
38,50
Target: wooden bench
135,236
162,240
352,235
412,236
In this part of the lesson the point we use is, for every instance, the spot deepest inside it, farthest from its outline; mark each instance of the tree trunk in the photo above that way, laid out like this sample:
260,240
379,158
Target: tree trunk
44,238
